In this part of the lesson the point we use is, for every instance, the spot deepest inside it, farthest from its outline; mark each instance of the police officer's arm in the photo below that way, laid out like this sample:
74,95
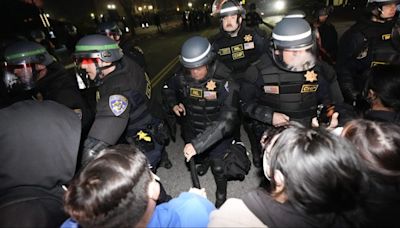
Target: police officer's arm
249,94
169,92
350,46
224,125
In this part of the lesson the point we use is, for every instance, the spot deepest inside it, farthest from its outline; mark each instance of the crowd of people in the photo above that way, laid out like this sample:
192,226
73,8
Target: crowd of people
82,150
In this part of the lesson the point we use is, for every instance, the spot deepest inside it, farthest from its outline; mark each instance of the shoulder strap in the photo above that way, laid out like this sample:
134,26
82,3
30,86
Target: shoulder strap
256,203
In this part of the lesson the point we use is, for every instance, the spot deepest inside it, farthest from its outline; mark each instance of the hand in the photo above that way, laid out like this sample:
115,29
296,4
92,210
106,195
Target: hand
178,109
333,123
189,151
200,192
279,119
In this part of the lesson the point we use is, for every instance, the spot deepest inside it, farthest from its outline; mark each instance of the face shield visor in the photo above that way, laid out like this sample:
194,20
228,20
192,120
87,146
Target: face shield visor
86,64
19,77
295,59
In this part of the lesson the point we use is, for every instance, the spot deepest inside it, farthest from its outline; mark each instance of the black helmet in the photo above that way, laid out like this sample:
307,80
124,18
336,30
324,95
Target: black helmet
294,35
196,52
382,2
109,29
231,7
20,59
96,47
375,7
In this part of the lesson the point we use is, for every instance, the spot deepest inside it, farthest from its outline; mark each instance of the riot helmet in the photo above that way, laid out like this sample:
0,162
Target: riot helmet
231,7
293,45
110,29
21,58
196,52
377,10
92,49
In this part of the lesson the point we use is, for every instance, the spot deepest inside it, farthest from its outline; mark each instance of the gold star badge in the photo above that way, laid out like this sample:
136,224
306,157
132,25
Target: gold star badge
311,76
248,38
211,85
144,136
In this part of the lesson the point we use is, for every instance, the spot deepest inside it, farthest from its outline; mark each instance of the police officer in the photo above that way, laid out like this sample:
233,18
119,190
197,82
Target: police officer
122,98
253,19
30,72
238,47
207,103
112,30
366,43
288,83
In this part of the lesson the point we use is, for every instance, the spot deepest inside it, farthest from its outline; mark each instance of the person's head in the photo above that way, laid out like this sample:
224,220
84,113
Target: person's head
37,35
110,29
378,143
314,169
383,9
113,190
231,16
25,63
322,13
195,56
95,57
293,45
384,87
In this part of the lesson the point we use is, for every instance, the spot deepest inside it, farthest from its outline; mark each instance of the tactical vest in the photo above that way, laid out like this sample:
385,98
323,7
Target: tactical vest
378,45
237,53
291,93
203,101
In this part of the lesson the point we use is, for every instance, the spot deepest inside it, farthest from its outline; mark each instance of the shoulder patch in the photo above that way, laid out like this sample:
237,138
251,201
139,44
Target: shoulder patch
118,104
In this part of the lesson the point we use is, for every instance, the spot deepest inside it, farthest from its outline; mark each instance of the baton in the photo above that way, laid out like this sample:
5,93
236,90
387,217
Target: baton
193,174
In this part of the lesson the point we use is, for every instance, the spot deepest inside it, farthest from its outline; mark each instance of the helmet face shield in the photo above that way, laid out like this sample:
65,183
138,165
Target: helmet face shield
83,78
295,59
19,77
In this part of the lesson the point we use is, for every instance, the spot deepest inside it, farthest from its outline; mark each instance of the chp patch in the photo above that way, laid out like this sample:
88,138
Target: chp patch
118,104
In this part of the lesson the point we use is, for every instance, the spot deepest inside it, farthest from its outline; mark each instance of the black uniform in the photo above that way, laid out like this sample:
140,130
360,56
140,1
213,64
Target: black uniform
328,37
211,113
130,49
365,44
122,110
270,89
239,52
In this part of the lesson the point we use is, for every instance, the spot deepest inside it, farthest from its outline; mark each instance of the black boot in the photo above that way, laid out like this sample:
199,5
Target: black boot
165,162
220,181
254,143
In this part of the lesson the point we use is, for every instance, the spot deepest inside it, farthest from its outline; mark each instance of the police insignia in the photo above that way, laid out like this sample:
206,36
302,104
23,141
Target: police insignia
143,136
211,85
248,38
118,104
311,76
194,92
271,89
386,36
249,45
309,88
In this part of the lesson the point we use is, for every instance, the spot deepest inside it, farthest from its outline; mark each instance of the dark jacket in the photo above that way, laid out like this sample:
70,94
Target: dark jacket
39,144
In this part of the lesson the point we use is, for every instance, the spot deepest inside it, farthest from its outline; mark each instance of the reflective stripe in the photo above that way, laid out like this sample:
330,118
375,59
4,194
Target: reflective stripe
26,54
229,9
198,57
295,16
96,47
291,37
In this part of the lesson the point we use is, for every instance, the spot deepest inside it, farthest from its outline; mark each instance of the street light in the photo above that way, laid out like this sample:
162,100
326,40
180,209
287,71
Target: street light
150,7
111,6
279,5
92,15
140,8
190,4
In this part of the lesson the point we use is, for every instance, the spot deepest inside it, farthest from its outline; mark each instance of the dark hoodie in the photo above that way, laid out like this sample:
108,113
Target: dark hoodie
39,145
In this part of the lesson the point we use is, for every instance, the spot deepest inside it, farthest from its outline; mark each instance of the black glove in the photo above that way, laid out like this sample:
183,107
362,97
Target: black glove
91,148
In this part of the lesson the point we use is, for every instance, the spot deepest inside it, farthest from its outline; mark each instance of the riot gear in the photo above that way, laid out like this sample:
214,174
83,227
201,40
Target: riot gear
293,45
196,52
91,48
110,29
231,7
376,7
20,64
